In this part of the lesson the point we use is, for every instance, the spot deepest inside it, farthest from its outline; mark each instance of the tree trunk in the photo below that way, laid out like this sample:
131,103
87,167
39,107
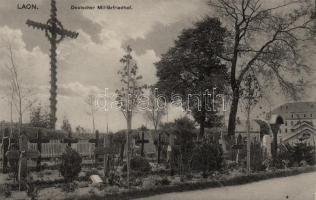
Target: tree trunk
202,120
20,114
233,113
248,140
159,145
142,145
39,148
122,152
275,129
129,127
93,123
202,128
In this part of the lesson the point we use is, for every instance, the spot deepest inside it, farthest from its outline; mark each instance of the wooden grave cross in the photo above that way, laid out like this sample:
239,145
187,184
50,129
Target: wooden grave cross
25,155
39,140
106,152
142,141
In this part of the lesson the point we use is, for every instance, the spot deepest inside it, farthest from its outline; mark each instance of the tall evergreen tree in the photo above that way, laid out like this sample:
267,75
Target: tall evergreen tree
191,69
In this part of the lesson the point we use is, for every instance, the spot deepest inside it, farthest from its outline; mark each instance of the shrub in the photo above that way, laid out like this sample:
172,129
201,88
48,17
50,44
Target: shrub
31,190
164,181
302,151
5,189
69,187
293,155
70,164
139,164
14,163
114,179
207,157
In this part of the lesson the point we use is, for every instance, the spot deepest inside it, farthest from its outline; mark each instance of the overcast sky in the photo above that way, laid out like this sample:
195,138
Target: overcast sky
90,63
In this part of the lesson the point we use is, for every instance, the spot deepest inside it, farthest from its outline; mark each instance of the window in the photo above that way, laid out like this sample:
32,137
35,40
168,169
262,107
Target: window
285,123
311,115
292,116
292,123
285,130
304,115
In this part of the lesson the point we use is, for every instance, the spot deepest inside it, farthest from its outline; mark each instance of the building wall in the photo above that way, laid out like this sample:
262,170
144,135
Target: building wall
310,141
293,113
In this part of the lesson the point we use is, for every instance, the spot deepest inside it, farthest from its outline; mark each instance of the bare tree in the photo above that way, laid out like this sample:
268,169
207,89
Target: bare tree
90,101
156,109
265,40
20,96
9,99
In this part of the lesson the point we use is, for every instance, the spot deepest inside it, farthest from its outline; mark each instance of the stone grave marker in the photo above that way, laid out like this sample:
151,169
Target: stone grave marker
96,181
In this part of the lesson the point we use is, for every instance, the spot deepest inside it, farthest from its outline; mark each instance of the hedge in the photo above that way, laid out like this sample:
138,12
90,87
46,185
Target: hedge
181,187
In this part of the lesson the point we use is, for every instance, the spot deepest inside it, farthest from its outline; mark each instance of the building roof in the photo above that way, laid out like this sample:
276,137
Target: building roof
299,129
296,107
241,126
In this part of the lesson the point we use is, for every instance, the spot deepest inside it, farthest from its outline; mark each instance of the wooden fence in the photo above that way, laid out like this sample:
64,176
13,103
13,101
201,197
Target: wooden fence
55,149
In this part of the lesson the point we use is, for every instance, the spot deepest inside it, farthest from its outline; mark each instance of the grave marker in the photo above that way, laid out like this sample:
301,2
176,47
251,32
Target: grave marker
142,142
5,148
24,156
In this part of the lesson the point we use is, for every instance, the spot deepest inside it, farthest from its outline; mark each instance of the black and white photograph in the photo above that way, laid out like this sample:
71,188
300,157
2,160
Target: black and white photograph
158,99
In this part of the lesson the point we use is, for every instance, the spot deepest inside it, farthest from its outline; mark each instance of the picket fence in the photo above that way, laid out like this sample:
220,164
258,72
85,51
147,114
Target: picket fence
55,149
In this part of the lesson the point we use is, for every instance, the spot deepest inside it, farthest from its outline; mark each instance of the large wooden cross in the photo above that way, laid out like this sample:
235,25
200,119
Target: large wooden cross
55,33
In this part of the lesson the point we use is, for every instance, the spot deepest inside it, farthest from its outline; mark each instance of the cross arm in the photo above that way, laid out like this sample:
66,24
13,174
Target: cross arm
59,30
67,33
37,25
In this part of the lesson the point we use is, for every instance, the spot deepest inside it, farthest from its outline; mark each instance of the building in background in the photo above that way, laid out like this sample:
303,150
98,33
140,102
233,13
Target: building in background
299,122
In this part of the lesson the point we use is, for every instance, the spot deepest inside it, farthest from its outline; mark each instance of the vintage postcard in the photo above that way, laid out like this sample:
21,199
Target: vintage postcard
157,99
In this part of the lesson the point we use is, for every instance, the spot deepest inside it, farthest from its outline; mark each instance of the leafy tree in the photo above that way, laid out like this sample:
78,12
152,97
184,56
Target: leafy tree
90,101
70,166
39,117
194,70
264,39
184,131
80,130
155,110
66,126
119,141
127,96
250,96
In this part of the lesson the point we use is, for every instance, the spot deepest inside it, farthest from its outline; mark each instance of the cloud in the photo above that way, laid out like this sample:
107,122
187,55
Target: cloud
146,66
32,65
159,38
15,19
90,63
76,89
136,23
